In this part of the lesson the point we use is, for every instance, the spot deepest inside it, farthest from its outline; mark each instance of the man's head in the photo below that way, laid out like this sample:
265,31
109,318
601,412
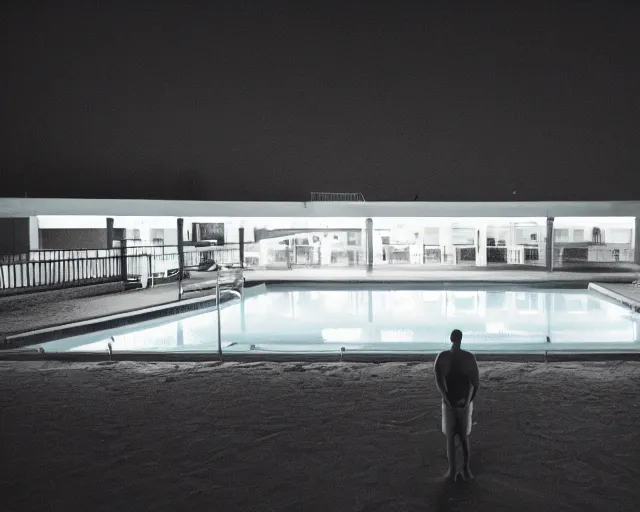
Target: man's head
456,337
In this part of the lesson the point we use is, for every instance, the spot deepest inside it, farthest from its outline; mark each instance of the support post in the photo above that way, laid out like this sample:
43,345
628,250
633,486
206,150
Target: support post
180,256
549,245
481,245
241,242
34,234
287,253
369,237
194,231
109,233
636,246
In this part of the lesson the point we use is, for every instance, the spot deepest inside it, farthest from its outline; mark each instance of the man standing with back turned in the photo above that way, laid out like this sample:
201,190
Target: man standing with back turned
458,380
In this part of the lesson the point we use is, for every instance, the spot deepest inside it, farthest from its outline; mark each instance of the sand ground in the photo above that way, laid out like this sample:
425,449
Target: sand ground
297,437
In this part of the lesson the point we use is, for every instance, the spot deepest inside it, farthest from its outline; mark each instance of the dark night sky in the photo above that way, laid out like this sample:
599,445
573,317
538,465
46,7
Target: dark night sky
268,100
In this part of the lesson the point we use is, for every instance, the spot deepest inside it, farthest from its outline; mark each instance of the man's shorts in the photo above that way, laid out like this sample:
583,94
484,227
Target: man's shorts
456,420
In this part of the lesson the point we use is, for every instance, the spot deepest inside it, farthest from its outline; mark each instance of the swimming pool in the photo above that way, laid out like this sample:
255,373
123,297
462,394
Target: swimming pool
379,319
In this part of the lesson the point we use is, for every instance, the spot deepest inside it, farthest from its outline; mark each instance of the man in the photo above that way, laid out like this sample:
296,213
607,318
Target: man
458,380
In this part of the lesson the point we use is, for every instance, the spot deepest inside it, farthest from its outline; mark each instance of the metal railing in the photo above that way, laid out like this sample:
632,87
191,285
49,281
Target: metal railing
314,256
515,255
340,197
44,269
60,268
228,285
228,254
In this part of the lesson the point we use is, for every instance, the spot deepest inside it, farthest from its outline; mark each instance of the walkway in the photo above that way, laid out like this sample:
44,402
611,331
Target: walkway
21,315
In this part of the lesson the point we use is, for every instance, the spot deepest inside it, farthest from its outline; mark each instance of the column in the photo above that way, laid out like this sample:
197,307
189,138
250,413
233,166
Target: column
241,243
447,249
636,245
194,231
369,238
180,256
109,233
549,244
34,234
481,245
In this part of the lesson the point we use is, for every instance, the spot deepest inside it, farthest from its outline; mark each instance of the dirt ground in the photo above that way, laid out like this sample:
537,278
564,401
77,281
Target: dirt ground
298,437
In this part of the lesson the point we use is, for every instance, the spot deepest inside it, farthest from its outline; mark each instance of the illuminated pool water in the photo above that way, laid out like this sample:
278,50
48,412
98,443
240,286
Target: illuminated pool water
373,318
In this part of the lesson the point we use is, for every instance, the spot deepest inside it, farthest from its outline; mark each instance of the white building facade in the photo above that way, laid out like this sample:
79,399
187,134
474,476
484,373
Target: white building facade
415,234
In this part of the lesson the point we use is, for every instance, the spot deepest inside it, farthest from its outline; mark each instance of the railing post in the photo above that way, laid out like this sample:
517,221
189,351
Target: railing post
180,256
123,261
241,241
150,263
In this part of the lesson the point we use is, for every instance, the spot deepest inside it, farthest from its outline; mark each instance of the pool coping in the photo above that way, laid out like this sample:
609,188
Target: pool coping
620,298
550,283
93,357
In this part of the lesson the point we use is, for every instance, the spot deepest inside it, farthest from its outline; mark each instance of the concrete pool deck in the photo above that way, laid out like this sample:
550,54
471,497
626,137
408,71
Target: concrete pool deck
623,293
22,316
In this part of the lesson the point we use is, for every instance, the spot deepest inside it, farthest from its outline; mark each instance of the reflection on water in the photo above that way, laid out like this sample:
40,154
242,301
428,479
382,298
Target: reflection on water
288,318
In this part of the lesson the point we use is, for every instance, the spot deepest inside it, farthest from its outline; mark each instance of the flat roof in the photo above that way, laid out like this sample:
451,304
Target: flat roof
28,207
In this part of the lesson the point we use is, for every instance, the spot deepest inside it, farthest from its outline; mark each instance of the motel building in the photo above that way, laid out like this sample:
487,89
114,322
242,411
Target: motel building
321,234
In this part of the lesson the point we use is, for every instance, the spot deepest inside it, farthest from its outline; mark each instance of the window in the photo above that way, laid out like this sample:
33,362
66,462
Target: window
619,236
431,236
561,235
157,236
463,236
526,235
354,238
578,235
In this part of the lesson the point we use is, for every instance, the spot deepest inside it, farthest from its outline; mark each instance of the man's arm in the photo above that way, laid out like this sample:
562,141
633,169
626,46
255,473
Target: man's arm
440,381
474,376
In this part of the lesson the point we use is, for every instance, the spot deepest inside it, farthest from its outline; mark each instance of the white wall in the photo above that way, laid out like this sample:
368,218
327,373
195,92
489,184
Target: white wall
611,227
